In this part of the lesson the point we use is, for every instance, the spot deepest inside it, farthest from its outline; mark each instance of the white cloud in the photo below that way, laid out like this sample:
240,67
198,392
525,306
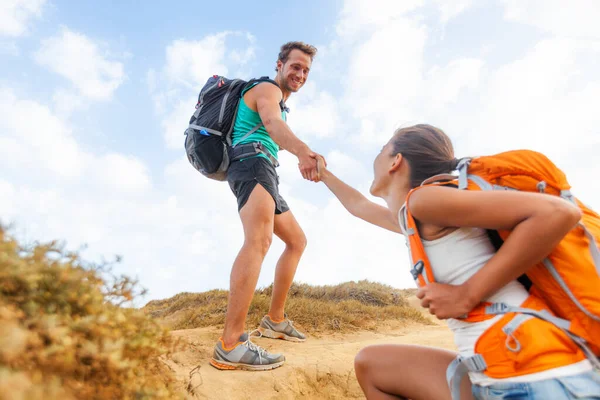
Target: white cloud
241,57
192,62
386,74
188,65
577,19
359,16
349,168
47,143
314,113
125,173
533,101
9,48
341,245
449,10
383,76
445,83
67,102
52,189
49,148
7,192
544,100
82,61
176,122
16,14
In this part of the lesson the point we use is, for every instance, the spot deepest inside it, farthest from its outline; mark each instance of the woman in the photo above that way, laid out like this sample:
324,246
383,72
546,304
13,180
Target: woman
453,226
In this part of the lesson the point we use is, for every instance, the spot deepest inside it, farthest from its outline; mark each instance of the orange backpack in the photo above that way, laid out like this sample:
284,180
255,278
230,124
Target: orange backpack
559,323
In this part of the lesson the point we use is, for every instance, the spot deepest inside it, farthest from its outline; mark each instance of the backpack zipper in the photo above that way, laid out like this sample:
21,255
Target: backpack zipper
208,90
235,82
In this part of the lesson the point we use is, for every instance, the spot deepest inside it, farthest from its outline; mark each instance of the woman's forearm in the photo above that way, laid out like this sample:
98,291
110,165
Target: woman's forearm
350,198
527,245
357,204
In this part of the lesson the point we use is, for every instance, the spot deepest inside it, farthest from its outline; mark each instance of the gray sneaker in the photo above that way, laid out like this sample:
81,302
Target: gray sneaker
283,330
245,355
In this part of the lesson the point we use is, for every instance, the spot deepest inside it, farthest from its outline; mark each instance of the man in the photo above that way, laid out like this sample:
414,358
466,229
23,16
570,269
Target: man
263,211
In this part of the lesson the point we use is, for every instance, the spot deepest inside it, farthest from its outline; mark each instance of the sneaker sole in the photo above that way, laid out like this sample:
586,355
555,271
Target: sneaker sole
278,335
229,366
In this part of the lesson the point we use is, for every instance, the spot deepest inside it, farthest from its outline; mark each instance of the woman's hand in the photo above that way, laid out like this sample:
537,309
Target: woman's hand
321,167
446,301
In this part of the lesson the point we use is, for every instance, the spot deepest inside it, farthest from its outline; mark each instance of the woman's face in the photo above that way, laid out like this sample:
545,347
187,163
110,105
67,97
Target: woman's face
381,168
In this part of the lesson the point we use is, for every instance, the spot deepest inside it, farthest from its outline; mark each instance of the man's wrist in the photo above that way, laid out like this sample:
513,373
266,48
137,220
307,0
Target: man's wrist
303,151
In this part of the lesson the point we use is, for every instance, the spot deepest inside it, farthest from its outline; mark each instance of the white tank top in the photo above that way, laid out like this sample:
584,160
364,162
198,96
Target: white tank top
454,259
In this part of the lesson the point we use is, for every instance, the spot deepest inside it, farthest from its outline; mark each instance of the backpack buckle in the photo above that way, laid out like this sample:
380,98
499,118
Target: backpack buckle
417,269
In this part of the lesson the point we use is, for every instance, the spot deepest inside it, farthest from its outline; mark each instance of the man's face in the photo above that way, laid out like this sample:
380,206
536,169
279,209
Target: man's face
294,72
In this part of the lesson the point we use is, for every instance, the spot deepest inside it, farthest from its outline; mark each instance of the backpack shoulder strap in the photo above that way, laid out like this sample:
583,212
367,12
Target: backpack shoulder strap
420,267
253,82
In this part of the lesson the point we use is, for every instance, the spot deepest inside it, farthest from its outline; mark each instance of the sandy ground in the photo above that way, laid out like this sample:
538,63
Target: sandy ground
320,368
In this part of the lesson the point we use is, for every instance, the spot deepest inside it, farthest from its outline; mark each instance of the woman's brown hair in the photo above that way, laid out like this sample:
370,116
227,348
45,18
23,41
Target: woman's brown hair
427,149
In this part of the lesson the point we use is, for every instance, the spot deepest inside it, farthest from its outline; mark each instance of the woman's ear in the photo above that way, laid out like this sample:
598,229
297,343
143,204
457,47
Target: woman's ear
396,163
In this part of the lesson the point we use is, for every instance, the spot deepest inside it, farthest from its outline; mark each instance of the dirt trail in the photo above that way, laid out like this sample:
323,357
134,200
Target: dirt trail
320,368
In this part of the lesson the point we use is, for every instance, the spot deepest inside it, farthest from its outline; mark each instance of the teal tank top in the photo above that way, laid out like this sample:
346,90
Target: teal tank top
246,120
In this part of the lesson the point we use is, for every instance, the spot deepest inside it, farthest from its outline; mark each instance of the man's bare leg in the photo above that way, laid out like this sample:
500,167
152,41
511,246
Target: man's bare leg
288,230
257,217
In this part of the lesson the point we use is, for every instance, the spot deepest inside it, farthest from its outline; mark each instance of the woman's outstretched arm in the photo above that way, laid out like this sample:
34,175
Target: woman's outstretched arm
356,203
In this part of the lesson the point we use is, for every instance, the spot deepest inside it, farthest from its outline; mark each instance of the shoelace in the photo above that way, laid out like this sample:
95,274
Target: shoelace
254,347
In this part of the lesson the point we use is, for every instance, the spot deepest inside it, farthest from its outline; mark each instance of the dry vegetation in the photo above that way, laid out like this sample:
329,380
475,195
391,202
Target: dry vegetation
345,307
64,336
65,332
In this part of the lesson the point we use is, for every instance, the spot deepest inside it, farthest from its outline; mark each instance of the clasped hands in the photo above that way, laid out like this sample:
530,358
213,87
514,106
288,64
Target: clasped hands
308,164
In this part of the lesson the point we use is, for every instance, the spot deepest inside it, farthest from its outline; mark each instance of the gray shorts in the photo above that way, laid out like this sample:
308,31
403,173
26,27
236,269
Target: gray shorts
244,175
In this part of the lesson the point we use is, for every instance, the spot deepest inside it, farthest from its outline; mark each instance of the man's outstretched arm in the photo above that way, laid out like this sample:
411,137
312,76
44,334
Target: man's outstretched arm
267,105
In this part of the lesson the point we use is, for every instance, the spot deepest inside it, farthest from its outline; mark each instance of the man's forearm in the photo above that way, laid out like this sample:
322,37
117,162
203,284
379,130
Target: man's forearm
285,138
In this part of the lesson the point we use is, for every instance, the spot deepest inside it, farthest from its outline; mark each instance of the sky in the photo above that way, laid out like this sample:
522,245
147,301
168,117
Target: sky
95,97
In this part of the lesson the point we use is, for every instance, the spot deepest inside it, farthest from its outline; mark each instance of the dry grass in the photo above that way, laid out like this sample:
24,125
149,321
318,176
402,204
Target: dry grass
340,308
64,336
65,333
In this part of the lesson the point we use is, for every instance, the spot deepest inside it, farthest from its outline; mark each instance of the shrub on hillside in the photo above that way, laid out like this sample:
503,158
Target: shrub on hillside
344,307
64,335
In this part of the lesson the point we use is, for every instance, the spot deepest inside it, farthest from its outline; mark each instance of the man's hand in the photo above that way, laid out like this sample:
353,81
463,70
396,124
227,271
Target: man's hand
446,301
307,163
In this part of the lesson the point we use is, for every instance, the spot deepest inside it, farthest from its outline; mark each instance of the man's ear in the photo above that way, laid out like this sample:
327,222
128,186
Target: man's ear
396,163
279,65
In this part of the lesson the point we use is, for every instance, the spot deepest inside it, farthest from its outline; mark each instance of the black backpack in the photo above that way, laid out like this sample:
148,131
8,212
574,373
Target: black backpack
208,137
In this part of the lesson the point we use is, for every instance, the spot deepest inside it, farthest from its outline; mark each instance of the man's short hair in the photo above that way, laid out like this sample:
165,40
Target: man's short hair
285,50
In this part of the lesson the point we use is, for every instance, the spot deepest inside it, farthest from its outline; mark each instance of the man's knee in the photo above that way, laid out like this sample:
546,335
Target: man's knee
296,242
